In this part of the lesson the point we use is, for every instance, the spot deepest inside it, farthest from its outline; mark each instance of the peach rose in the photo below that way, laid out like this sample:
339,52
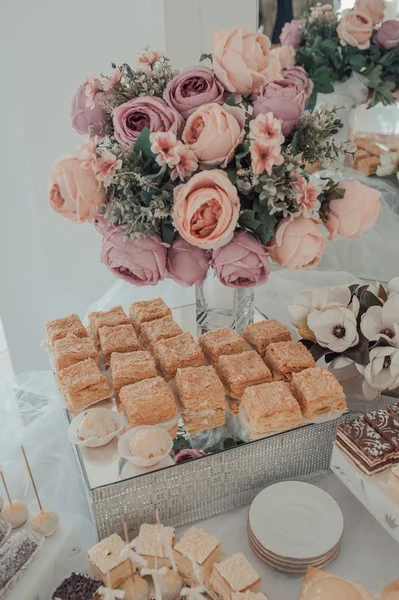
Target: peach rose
74,191
213,132
285,56
240,59
374,8
206,209
355,213
297,244
355,29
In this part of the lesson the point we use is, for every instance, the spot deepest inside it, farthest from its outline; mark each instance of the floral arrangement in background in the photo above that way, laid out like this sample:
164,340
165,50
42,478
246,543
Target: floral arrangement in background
206,168
360,42
356,329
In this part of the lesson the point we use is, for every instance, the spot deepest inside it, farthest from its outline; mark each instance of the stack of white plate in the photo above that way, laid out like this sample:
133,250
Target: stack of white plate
293,525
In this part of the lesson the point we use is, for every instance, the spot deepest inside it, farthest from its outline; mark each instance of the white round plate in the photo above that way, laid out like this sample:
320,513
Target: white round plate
95,442
296,520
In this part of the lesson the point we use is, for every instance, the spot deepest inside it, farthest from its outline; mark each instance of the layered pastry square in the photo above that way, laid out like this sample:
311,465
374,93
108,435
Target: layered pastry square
121,338
83,384
318,392
59,328
221,342
131,367
320,584
199,389
387,425
270,406
201,548
201,422
104,558
259,335
235,574
239,371
109,318
158,329
177,353
286,358
156,541
148,310
72,349
364,446
148,402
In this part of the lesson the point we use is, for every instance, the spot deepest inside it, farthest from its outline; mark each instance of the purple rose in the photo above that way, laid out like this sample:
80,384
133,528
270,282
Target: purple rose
140,262
242,262
84,117
187,264
192,88
291,34
131,117
284,99
388,35
298,76
188,454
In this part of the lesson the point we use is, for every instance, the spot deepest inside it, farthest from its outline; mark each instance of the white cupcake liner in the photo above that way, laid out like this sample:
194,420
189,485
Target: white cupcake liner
124,446
95,442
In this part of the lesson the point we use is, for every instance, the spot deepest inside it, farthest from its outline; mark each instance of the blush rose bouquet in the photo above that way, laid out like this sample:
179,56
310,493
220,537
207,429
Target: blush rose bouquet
332,48
205,169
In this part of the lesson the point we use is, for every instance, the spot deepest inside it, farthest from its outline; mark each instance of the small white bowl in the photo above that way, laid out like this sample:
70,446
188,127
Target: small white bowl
95,442
125,440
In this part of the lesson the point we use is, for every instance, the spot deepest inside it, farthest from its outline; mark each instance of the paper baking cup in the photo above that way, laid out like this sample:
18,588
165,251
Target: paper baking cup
95,442
124,446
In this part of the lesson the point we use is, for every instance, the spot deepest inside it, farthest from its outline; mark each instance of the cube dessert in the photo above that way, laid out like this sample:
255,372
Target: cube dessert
259,335
72,349
131,367
364,446
156,541
109,318
286,358
201,548
387,425
78,586
221,342
178,352
121,338
149,402
148,310
318,392
158,329
319,584
83,384
104,558
195,423
59,328
269,407
239,371
235,574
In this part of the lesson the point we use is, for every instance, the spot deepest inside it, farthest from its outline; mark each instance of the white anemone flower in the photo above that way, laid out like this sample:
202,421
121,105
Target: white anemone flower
382,372
382,321
393,287
334,327
303,305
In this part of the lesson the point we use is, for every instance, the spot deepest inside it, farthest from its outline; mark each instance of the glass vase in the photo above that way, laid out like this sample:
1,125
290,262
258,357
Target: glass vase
221,306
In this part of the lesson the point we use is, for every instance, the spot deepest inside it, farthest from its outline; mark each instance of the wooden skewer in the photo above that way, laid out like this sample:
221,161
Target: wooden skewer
5,487
125,533
31,478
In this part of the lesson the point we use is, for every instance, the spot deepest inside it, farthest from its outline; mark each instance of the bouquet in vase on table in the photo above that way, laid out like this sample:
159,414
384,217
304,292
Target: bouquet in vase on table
205,169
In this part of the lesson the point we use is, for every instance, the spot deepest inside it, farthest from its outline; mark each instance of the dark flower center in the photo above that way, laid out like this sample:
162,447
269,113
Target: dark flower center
388,332
339,331
387,362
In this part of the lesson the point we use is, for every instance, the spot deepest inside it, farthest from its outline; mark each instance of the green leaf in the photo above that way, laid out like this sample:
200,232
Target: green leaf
168,232
357,61
242,151
231,171
265,230
294,144
146,197
122,462
143,145
360,353
335,194
248,221
373,75
205,56
231,100
315,350
367,300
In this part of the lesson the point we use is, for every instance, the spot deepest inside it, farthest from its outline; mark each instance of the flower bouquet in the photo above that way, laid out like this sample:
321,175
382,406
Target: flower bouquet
359,48
356,330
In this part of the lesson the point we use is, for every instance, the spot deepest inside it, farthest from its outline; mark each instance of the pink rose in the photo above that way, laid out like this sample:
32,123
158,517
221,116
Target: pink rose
284,99
84,119
74,192
242,262
213,132
192,88
355,29
297,244
206,209
374,8
188,454
291,34
240,59
131,117
298,76
387,36
141,262
285,55
355,213
274,71
187,264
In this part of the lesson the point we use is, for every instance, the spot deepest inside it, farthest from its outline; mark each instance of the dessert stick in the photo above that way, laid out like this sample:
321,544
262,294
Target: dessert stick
5,486
31,478
15,512
109,593
129,553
